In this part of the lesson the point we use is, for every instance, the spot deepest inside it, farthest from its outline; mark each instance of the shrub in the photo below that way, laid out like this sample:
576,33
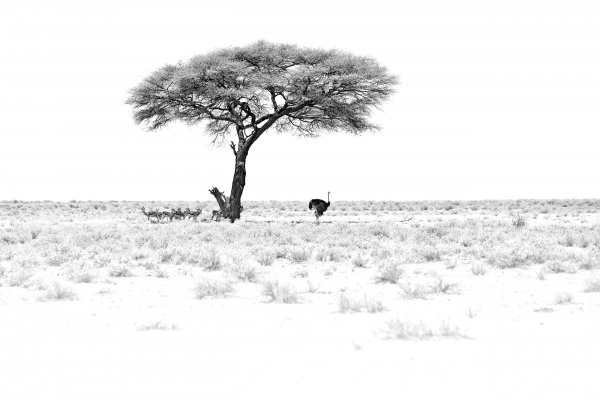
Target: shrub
592,285
300,273
57,291
441,286
451,263
563,298
266,257
158,325
389,272
208,286
56,260
360,261
348,304
280,292
211,260
18,278
299,254
411,290
406,330
244,272
559,267
120,272
83,277
430,253
518,221
588,263
478,269
327,254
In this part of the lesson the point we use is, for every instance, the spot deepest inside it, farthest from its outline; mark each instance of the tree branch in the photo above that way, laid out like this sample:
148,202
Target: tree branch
232,145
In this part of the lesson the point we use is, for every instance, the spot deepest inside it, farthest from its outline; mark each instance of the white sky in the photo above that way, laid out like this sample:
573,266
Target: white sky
499,99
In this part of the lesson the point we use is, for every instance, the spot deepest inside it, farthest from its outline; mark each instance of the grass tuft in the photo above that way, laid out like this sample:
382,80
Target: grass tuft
280,292
208,286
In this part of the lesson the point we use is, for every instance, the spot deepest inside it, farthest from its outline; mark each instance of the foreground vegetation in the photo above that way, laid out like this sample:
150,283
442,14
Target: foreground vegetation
379,290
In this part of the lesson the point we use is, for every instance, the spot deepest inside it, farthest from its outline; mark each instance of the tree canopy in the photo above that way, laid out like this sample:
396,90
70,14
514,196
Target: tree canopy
249,89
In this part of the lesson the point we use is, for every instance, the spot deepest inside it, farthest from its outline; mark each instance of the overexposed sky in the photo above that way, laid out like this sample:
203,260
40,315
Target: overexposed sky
499,99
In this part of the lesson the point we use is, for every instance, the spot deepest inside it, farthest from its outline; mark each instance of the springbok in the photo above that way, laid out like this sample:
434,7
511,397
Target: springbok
151,214
177,214
194,214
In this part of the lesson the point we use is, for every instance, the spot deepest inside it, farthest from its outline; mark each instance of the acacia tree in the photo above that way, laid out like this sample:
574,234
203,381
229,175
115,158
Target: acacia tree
242,92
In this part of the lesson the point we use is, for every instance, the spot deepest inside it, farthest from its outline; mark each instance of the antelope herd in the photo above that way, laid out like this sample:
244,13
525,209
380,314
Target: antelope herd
168,216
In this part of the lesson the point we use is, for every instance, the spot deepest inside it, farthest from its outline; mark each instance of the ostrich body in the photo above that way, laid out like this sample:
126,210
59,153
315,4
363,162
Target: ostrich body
320,206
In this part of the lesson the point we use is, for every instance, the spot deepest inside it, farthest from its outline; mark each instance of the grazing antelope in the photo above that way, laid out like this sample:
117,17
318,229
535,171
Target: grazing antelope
164,215
177,214
194,214
151,214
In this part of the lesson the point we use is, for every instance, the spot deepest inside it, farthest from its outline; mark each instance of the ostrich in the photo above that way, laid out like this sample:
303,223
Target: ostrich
151,214
320,206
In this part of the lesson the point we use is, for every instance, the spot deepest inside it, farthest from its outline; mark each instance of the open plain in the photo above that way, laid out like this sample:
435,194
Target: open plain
469,299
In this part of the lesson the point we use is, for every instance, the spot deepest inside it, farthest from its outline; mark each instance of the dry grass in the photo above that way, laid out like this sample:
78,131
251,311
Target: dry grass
407,330
592,285
212,286
389,272
280,292
362,303
57,291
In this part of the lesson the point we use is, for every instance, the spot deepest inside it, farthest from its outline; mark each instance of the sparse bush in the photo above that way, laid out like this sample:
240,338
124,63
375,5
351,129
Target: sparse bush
208,286
406,330
299,254
351,304
360,261
327,254
266,257
389,272
211,260
413,290
518,221
56,260
592,285
588,263
120,272
429,253
244,272
478,269
83,277
312,286
441,286
17,278
505,258
563,298
300,273
280,292
559,267
57,291
158,326
451,263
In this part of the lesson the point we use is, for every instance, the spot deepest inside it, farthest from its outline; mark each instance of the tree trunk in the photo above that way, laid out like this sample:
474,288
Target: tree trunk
222,200
231,207
237,186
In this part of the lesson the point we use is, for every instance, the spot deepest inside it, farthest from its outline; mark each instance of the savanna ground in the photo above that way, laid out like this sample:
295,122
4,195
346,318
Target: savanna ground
482,299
